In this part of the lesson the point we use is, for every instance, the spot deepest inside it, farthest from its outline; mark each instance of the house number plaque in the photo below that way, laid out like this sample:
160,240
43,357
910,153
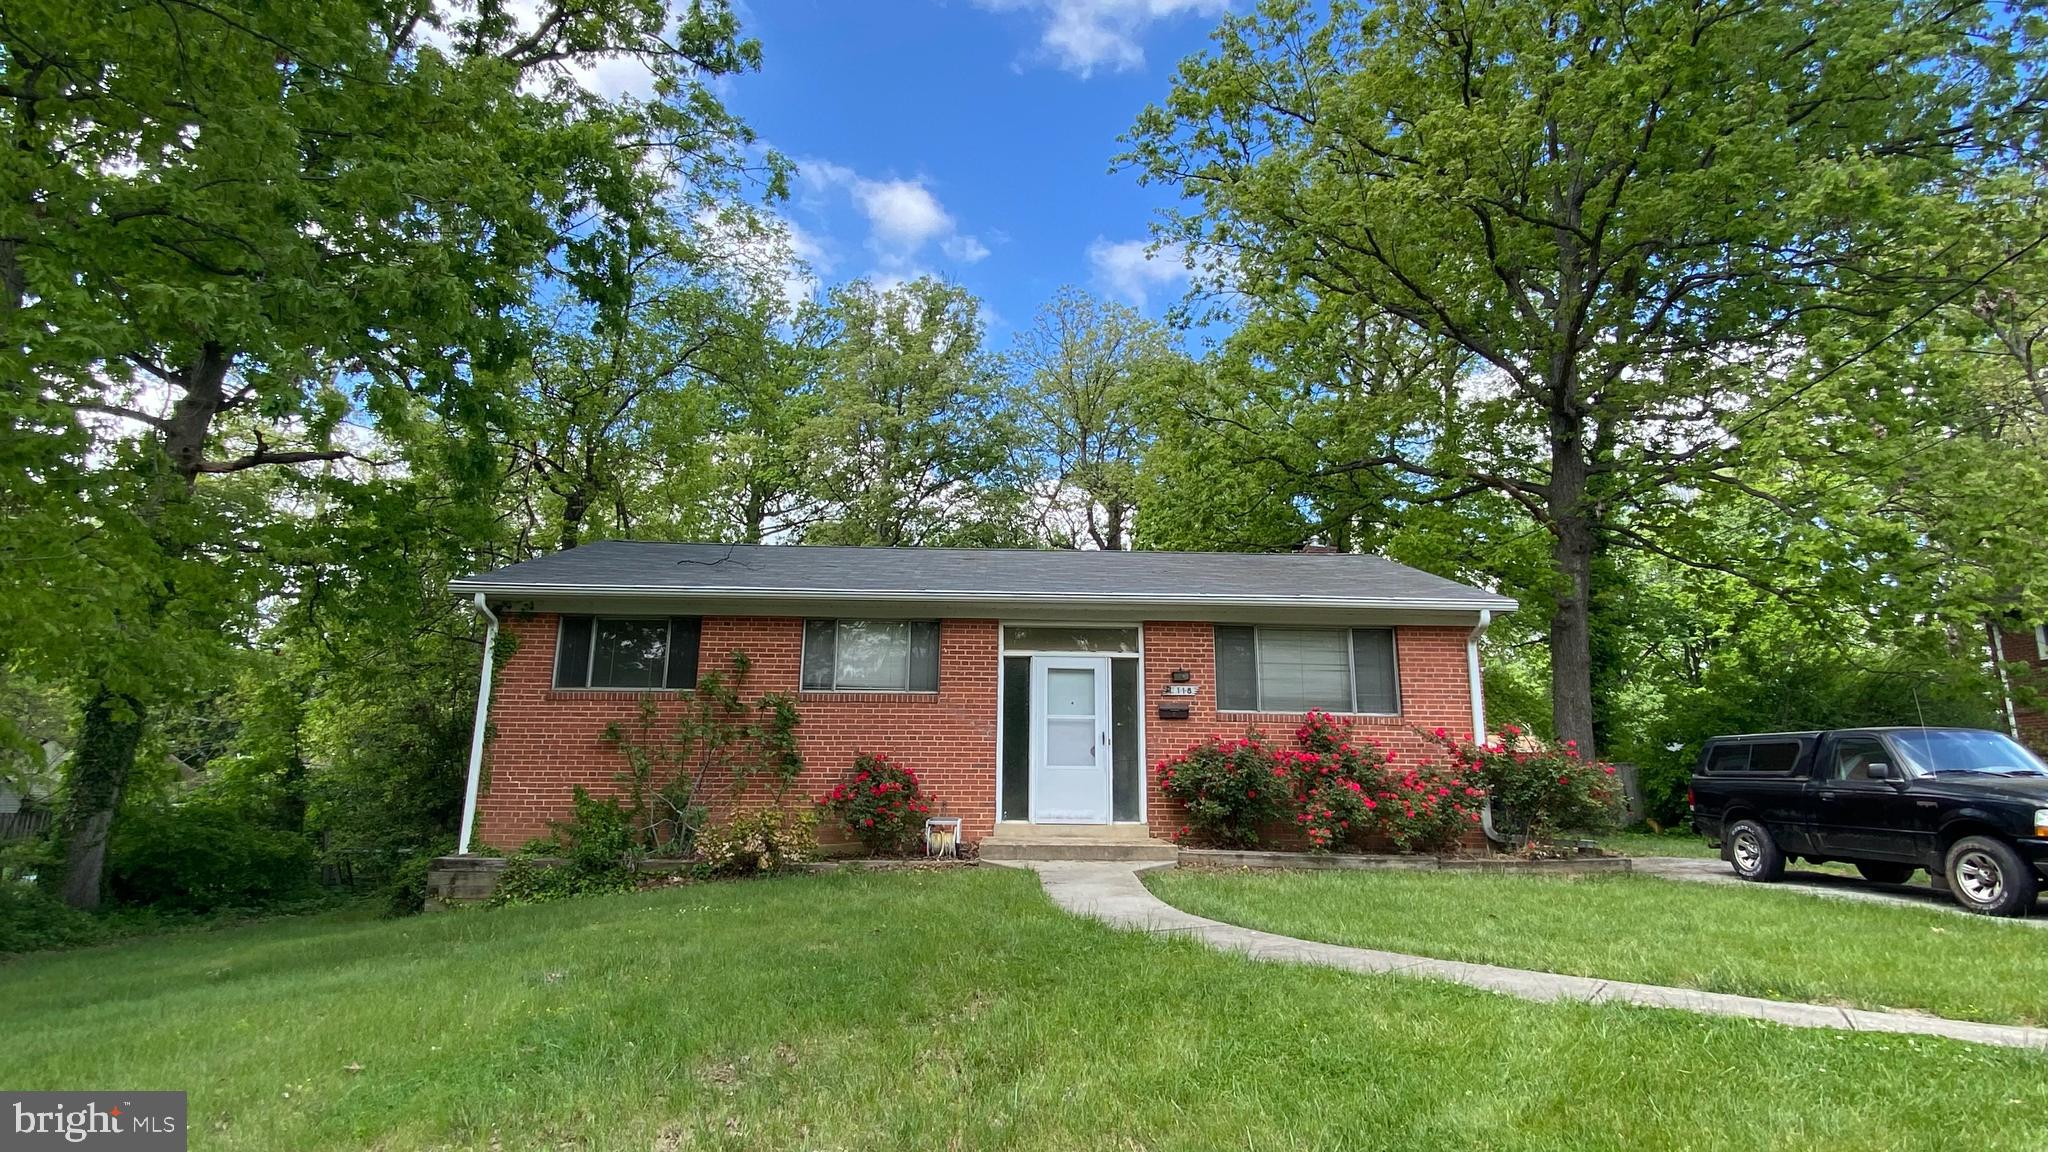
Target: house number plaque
1181,689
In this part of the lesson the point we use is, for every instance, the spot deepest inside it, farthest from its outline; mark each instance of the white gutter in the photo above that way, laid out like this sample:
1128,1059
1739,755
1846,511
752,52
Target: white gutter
1472,676
926,595
476,738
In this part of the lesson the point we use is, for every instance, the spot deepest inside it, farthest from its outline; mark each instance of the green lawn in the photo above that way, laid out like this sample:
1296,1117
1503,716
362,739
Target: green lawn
1746,939
906,1011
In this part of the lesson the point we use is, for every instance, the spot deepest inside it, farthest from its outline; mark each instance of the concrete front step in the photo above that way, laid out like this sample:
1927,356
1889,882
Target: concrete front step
1018,841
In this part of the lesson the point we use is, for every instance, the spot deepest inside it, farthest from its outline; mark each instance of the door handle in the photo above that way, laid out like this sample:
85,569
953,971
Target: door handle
1827,795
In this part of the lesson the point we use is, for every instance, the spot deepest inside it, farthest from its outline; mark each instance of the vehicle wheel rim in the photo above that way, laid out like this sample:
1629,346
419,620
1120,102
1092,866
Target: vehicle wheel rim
1749,852
1979,878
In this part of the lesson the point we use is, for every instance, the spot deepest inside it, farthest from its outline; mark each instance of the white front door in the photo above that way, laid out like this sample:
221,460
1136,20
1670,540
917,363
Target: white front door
1070,760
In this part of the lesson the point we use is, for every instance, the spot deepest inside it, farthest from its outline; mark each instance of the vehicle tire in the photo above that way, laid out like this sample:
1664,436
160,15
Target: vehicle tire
1884,871
1754,852
1987,877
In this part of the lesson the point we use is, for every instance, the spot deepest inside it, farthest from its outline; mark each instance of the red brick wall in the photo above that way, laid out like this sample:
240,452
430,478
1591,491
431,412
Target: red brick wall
1435,692
2030,680
549,741
546,741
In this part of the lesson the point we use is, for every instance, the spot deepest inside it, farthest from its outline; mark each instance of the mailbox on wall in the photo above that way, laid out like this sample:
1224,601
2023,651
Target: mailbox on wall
1173,711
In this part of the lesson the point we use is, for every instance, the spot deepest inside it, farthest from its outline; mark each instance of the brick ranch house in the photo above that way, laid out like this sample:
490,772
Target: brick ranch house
1031,689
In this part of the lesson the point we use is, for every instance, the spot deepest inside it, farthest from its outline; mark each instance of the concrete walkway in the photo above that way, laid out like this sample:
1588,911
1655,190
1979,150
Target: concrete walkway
1113,894
1834,887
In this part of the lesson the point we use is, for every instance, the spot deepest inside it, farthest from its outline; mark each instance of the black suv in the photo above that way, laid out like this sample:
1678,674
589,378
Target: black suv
1969,806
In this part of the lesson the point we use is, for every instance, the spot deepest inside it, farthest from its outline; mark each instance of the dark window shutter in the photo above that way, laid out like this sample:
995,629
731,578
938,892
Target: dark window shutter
818,655
572,652
684,635
924,655
1237,669
1373,670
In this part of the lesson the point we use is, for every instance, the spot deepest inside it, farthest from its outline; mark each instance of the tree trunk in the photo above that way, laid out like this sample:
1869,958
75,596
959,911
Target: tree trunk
1571,651
111,725
575,505
109,730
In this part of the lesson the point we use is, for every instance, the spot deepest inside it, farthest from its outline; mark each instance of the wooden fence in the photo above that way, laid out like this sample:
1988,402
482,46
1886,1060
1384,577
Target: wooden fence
22,825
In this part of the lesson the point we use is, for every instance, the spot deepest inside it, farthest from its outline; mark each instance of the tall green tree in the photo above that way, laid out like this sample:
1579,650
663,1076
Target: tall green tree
1082,381
233,226
910,444
1632,219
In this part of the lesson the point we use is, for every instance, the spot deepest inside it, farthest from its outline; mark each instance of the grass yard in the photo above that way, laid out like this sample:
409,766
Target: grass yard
1748,939
937,1010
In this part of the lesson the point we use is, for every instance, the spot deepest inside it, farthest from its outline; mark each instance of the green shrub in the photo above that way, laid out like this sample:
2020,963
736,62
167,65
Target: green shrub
1230,788
199,857
31,920
754,843
592,851
881,804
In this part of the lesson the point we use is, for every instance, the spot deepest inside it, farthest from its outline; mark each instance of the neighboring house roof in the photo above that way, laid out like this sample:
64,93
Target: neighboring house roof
781,572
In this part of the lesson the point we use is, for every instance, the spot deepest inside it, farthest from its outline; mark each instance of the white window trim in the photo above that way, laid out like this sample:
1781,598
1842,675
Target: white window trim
1350,653
590,657
2041,641
804,651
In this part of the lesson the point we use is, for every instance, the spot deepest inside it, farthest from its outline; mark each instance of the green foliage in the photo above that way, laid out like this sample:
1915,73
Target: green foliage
758,843
880,803
1228,788
203,855
910,443
592,851
1481,255
32,920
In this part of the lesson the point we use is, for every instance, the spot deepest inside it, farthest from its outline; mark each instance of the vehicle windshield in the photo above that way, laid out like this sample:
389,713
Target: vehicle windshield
1929,751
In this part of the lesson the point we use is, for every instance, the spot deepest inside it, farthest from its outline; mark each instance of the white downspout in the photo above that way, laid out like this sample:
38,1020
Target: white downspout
1472,674
483,716
2012,719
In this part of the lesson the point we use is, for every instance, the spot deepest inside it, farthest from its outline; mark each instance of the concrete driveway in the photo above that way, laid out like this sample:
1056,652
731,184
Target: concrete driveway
1801,879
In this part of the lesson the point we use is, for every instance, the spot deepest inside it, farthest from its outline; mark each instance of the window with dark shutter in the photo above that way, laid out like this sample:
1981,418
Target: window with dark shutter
685,633
1237,669
572,652
1378,681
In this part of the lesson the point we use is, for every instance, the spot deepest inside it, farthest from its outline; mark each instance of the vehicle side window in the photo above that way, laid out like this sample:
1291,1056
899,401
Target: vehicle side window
1728,758
1853,757
1773,757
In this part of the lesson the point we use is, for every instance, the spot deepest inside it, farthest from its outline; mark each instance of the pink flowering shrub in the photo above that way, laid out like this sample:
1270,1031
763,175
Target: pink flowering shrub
1229,788
1334,781
1543,791
882,805
1350,789
1427,808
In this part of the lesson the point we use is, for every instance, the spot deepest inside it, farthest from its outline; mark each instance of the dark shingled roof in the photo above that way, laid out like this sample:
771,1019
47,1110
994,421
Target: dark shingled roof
983,574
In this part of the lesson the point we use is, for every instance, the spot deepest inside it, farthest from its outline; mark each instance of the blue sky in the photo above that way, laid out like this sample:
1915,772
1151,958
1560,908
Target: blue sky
970,138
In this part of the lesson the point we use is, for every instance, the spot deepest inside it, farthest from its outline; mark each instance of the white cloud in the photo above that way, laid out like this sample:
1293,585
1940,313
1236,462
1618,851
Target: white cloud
1083,35
965,249
1133,269
904,217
